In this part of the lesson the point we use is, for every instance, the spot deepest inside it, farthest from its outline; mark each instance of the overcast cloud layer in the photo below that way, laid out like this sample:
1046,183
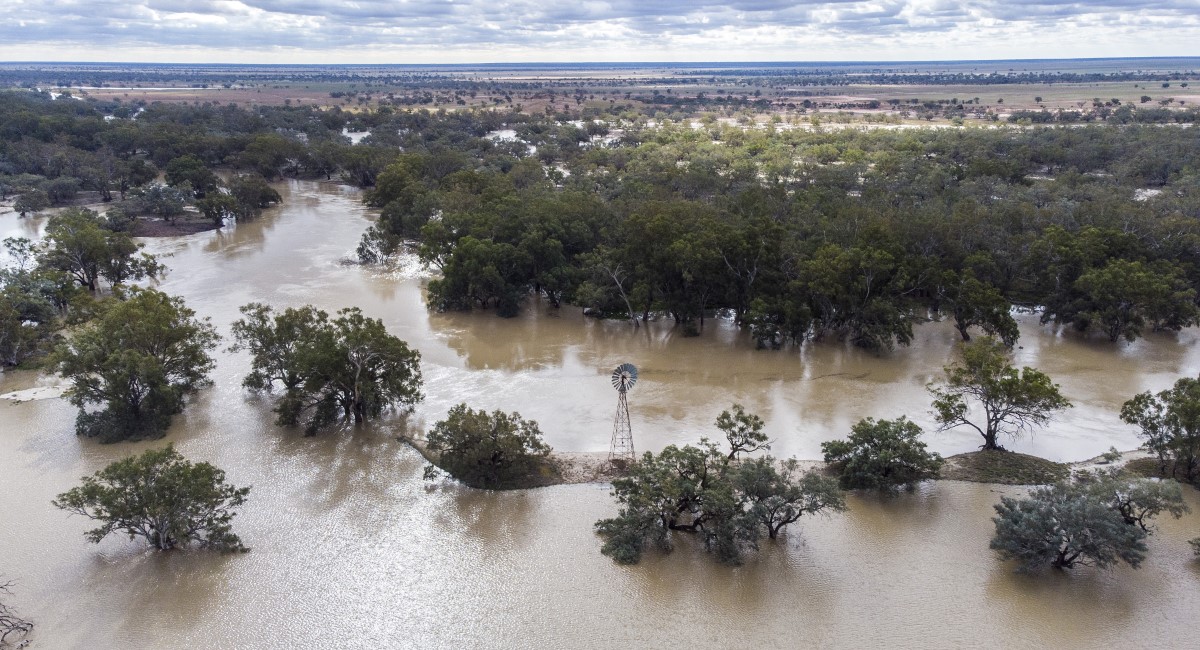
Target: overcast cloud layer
456,31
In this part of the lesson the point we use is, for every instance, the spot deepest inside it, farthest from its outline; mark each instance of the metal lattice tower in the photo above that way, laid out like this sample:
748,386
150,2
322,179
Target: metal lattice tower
621,450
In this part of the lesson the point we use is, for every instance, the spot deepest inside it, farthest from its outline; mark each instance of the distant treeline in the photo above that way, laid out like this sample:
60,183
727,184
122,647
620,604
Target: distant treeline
797,233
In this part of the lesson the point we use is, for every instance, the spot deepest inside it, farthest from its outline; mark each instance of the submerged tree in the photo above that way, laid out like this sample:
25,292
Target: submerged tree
703,490
1063,526
974,303
1169,422
11,625
1100,519
81,243
161,497
495,451
882,455
1013,401
138,360
346,368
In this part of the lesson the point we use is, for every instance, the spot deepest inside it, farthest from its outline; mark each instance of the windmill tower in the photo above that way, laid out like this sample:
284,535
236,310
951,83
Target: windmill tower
621,451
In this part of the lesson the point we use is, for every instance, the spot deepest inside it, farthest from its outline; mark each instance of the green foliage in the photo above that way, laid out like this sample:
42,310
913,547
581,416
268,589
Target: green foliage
190,170
162,497
1169,422
1100,518
743,431
1063,526
29,317
217,207
251,195
1012,402
31,201
1123,297
703,490
160,200
138,360
496,451
79,242
1137,500
346,368
975,303
882,455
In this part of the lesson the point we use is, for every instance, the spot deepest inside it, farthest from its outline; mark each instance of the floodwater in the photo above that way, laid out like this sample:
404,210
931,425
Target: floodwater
353,549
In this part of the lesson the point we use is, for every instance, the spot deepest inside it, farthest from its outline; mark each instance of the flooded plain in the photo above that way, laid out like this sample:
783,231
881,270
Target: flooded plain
351,548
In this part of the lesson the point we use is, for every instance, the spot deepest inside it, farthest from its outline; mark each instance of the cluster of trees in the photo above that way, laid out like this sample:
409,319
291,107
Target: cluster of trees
800,234
345,368
137,360
805,234
1097,519
711,492
54,281
1169,422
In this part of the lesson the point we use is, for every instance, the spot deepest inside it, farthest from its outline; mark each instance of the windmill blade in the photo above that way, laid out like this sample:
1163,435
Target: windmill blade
624,377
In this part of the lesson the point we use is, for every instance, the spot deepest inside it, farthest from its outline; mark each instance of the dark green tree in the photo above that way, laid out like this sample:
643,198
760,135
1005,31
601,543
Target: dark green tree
1012,401
345,368
162,497
703,490
974,303
190,170
1169,422
251,195
31,201
491,451
882,455
278,343
1123,297
79,242
137,360
777,493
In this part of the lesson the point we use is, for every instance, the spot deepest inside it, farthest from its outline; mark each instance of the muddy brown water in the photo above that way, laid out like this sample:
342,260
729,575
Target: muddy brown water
353,549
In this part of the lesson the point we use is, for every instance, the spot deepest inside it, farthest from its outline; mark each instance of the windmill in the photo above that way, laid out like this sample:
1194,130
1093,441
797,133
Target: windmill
621,451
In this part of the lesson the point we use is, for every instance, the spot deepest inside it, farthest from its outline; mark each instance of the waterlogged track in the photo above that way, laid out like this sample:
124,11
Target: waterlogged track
351,549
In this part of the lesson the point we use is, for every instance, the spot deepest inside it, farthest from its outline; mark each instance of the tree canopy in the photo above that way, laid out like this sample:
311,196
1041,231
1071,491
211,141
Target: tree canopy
1098,519
1169,422
137,360
882,455
345,368
492,451
81,243
703,490
161,497
1012,401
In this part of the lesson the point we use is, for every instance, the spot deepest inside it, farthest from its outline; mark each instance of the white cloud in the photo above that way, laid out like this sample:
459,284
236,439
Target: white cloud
529,30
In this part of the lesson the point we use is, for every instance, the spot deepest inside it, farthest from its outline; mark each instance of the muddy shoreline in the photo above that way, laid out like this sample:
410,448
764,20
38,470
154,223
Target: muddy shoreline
580,467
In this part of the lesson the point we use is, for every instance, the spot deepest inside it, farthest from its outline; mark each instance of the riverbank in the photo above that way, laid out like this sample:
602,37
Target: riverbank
992,467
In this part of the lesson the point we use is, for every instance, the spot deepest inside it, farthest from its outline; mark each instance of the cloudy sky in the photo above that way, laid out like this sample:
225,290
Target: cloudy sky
466,31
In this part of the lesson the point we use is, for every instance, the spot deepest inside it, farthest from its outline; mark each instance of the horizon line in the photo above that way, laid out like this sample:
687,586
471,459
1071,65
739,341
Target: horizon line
722,63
